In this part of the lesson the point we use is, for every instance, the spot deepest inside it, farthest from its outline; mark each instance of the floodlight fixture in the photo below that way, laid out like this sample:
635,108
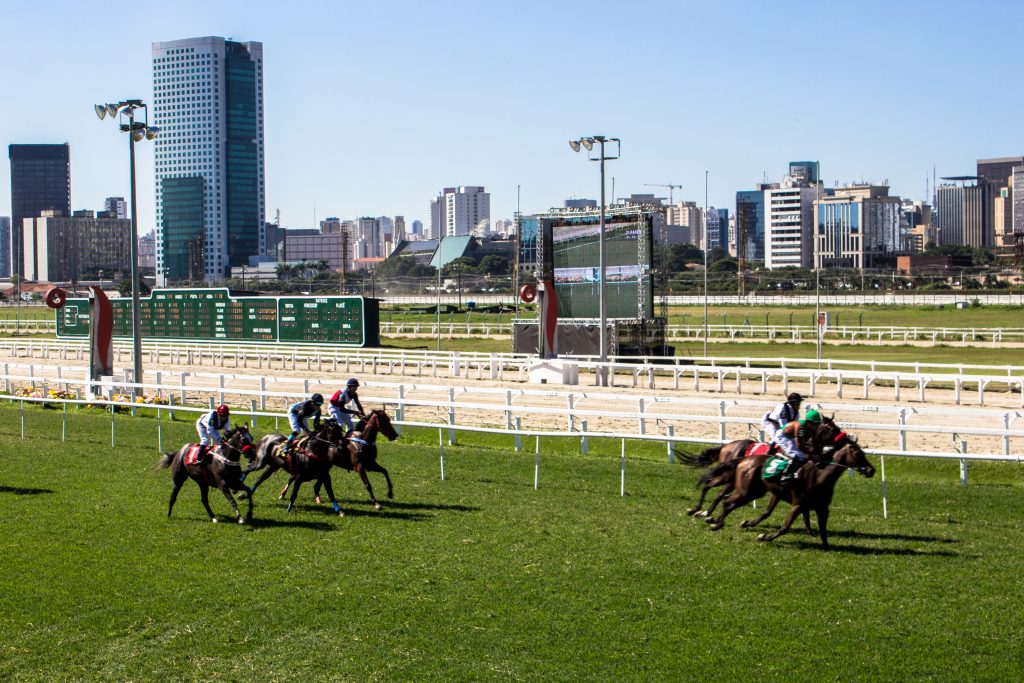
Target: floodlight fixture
101,110
588,143
575,144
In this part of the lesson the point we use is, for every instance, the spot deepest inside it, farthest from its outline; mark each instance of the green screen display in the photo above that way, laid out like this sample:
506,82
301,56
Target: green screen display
215,315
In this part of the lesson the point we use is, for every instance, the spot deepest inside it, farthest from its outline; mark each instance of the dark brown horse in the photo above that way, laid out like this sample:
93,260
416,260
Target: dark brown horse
358,453
310,460
730,454
223,470
812,489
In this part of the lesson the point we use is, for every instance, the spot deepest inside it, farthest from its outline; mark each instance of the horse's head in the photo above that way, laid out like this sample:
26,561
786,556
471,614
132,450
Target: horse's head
851,455
240,440
383,423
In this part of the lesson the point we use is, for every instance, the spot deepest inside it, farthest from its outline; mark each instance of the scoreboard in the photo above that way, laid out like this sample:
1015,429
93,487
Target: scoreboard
216,315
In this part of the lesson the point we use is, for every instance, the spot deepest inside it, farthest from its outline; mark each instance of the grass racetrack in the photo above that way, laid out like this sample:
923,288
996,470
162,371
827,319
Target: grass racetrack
481,577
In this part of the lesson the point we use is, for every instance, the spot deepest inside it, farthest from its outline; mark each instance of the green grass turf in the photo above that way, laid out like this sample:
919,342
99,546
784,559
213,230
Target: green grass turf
481,577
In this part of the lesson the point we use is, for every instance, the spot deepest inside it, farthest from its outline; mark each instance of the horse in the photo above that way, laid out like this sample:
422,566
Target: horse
811,490
729,454
358,453
224,469
310,459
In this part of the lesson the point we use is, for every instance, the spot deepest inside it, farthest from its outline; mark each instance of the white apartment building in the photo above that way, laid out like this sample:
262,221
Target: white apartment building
459,211
856,226
788,224
687,215
209,157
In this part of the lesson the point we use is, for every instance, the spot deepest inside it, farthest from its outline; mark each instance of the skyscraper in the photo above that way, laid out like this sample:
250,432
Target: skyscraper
5,246
750,223
210,191
993,177
460,211
40,181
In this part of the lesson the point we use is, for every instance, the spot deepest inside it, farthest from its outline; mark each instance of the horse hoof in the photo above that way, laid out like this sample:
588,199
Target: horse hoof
241,520
378,506
213,519
317,499
761,537
715,527
692,511
391,496
746,524
702,513
341,513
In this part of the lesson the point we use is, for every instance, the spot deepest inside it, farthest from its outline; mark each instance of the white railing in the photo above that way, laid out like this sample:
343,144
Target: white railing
894,430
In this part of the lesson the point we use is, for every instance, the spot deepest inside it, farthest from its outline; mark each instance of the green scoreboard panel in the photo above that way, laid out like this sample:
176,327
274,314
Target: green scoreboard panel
215,315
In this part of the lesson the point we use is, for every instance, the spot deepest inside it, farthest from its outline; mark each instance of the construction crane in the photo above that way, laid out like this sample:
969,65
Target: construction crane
670,187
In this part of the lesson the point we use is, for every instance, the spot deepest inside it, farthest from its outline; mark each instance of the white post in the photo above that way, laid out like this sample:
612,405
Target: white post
721,424
519,438
622,470
451,415
963,463
159,431
584,442
640,409
263,394
64,427
508,409
885,499
569,414
440,444
220,383
1006,438
903,433
536,466
671,450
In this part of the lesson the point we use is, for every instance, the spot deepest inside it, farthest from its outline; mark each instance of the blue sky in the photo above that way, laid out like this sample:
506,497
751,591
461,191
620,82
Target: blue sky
371,108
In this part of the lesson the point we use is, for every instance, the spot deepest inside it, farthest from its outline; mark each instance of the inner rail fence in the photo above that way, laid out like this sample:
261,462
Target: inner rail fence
923,431
895,381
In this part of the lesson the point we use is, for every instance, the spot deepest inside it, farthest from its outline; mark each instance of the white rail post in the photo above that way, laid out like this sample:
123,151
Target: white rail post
622,470
112,441
642,423
963,463
957,385
400,411
263,394
220,385
508,409
671,450
885,499
721,424
440,445
451,415
519,437
569,413
305,387
22,418
897,387
536,465
181,378
903,431
7,378
64,426
159,431
252,411
1006,437
839,385
584,442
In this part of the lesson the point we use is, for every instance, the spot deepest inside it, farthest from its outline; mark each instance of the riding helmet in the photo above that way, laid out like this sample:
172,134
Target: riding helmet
812,415
352,382
794,398
317,399
223,410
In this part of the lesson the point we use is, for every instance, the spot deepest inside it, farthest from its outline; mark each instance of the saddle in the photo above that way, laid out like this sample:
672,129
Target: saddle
195,455
758,449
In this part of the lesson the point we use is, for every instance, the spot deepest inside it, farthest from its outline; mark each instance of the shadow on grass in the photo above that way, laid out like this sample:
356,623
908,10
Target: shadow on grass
392,504
890,537
265,523
350,511
809,544
19,491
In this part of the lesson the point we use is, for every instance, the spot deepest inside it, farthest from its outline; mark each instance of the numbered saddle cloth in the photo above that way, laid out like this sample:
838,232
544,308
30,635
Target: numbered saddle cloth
192,454
774,467
757,449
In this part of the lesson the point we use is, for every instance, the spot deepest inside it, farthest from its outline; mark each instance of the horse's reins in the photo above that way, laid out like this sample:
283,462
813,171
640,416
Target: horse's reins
844,437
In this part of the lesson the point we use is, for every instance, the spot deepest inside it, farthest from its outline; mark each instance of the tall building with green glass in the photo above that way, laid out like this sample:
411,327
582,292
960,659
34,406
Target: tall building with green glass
210,196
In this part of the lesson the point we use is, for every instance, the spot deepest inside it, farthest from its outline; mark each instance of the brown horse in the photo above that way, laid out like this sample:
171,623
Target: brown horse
309,460
358,453
811,490
730,454
224,470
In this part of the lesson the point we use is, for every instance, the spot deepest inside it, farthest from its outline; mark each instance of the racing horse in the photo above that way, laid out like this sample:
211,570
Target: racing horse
309,460
358,453
223,470
729,454
812,489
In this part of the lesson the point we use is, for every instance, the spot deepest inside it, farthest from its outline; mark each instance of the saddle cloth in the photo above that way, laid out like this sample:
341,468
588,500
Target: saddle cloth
774,467
192,454
757,449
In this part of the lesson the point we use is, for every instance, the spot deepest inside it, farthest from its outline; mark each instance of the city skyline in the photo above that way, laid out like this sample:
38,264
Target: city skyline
527,76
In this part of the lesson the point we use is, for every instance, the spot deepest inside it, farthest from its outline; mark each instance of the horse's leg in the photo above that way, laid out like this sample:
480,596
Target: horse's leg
763,516
793,512
204,495
262,478
807,521
222,485
284,491
369,488
295,492
377,467
316,491
699,505
823,526
179,479
326,481
239,486
736,500
726,490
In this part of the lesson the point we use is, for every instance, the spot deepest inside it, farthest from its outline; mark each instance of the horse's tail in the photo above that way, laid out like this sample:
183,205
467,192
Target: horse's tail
707,456
716,472
165,461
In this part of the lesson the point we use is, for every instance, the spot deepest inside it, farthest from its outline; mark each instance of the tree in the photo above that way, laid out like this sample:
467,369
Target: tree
493,264
463,264
678,255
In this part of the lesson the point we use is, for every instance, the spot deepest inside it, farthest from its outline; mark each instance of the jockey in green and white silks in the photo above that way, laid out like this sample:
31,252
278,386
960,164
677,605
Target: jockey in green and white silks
796,436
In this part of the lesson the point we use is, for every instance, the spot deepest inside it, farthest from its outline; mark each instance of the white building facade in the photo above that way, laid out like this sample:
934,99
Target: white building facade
788,223
457,211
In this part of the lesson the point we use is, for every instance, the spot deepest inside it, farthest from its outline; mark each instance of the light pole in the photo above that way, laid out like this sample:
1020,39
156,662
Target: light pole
588,144
705,240
818,260
136,131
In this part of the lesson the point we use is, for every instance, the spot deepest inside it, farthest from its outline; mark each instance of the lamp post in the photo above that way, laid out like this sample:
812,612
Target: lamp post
588,144
137,130
705,240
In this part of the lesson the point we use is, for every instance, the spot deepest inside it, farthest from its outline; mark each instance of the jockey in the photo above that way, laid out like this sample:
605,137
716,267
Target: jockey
209,426
299,413
795,439
338,407
781,415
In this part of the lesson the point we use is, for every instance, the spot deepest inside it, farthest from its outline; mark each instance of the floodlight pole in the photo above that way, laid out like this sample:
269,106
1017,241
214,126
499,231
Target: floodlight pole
601,293
136,327
818,261
705,240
